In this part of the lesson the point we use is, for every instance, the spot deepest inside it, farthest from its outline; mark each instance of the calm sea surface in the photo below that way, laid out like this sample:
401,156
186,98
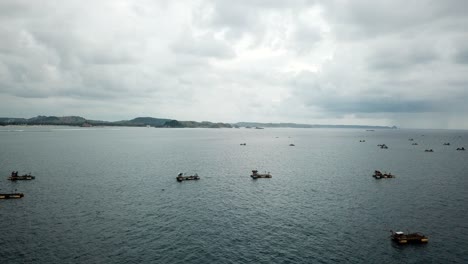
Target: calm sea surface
109,195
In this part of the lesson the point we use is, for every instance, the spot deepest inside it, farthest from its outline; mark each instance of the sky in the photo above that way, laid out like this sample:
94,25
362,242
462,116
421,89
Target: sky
360,62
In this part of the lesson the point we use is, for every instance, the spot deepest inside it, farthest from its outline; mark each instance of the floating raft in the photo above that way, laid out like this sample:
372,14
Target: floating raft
11,195
256,175
402,238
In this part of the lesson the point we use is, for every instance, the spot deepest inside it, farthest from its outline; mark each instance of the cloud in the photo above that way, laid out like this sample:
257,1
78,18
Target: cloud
362,62
204,46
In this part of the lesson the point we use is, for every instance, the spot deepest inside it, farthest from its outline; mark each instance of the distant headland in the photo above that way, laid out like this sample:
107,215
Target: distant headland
160,122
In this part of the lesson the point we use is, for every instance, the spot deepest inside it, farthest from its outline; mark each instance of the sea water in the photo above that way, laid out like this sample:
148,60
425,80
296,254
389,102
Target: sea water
109,195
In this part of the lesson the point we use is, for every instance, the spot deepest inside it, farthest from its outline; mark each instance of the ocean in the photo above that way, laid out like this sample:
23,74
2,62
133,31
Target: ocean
109,195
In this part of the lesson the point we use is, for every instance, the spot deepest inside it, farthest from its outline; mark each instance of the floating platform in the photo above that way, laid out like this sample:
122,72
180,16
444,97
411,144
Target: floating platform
11,195
256,175
402,238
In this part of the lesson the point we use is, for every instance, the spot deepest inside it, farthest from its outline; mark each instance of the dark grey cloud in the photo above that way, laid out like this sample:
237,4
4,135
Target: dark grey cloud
400,58
376,105
461,56
367,18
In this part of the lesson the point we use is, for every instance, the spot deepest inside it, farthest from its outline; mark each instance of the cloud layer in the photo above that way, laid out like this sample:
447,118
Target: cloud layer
328,62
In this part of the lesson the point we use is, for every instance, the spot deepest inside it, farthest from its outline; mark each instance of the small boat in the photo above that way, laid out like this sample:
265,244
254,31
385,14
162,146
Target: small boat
256,175
429,150
414,144
462,148
11,195
25,177
362,141
402,238
181,177
411,139
379,175
292,145
243,144
446,144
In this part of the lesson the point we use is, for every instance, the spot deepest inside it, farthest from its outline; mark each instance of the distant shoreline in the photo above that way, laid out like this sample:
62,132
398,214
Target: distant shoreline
77,121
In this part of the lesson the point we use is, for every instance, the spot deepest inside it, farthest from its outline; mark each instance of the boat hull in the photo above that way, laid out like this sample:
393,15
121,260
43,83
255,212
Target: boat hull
11,195
21,178
410,238
260,176
187,178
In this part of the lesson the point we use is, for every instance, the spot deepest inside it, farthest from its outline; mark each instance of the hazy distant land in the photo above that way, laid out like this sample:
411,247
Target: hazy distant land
161,122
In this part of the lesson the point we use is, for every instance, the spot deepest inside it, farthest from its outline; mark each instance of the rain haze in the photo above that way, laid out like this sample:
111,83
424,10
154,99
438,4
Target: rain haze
314,62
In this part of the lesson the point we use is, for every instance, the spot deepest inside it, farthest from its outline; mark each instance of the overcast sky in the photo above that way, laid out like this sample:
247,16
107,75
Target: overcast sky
362,62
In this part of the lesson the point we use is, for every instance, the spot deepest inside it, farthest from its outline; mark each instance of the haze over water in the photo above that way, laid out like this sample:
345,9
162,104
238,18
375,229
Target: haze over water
109,195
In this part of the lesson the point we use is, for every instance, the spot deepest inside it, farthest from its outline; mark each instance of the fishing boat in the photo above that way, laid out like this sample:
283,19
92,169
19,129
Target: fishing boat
182,177
379,175
256,175
11,195
402,238
25,177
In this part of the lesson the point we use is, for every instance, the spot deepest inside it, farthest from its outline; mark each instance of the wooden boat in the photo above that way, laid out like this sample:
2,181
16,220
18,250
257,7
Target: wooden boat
256,175
25,177
11,195
181,177
380,175
402,238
